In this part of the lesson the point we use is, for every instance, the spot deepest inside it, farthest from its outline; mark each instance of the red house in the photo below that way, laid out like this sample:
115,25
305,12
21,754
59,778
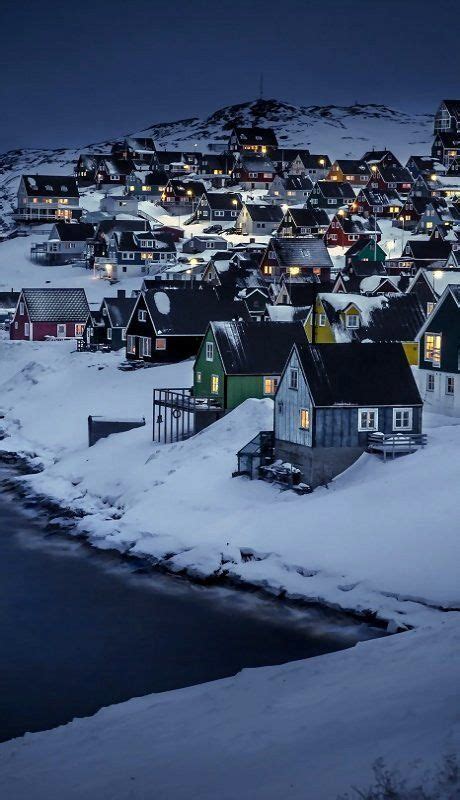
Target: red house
390,178
43,313
345,229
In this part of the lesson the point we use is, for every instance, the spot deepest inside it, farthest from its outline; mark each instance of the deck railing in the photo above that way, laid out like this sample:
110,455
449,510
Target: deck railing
395,443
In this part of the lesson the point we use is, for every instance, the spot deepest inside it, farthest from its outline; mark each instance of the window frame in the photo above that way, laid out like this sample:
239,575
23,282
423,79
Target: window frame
304,417
294,371
209,351
367,428
449,380
215,384
432,354
142,315
403,410
162,346
430,379
275,381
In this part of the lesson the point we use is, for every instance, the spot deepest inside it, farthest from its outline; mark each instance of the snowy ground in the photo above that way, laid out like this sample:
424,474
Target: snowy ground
366,543
303,731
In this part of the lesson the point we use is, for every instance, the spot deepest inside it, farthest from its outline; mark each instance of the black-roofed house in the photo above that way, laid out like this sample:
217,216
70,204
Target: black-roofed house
387,178
113,171
430,282
169,325
42,314
354,171
292,189
331,195
346,317
345,229
307,221
147,185
136,148
255,140
331,397
315,165
259,218
446,144
204,242
300,257
438,375
420,253
67,242
374,203
253,171
218,207
181,196
45,198
136,253
425,166
106,328
290,160
238,360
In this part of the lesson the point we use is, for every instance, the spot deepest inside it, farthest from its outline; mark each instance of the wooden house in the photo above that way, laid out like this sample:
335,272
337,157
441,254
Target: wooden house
292,189
113,171
168,325
255,140
338,317
446,147
429,283
355,172
204,242
238,360
49,313
367,251
253,171
332,397
438,375
290,160
107,327
315,165
331,195
419,253
147,185
390,178
137,253
300,257
424,166
181,196
259,218
307,221
345,229
218,207
47,198
384,158
67,242
374,203
135,148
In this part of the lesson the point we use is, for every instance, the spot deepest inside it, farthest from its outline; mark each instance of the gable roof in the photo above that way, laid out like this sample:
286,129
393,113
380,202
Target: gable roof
264,213
224,201
431,250
308,217
256,136
50,185
358,374
301,251
56,305
450,291
352,166
298,182
74,231
256,348
177,313
119,310
335,189
254,163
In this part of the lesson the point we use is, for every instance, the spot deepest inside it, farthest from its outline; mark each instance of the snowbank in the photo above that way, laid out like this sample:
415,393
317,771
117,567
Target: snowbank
310,729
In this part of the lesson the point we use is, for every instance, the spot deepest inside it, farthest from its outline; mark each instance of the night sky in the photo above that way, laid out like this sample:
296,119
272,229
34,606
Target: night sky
76,72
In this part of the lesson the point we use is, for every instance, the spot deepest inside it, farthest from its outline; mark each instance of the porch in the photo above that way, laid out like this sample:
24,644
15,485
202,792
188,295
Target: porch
178,415
395,443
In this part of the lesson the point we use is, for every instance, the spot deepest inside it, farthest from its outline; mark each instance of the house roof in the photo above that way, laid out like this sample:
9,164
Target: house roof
255,163
358,247
301,251
453,107
176,313
256,348
298,182
157,177
256,136
264,213
335,189
119,310
352,223
358,374
449,292
308,217
392,174
50,185
223,200
312,161
56,305
74,231
131,241
352,166
396,318
375,156
303,293
430,250
288,154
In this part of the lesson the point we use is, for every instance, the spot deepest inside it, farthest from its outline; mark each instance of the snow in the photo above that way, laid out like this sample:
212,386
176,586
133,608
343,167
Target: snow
154,488
162,302
310,729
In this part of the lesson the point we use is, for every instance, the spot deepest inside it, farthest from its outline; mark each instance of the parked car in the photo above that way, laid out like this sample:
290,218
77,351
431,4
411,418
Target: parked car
213,229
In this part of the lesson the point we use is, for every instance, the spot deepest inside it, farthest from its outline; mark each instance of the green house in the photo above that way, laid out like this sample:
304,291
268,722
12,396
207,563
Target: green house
238,360
365,250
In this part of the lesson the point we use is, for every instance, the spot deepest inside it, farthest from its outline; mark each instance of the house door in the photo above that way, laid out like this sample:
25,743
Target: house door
61,330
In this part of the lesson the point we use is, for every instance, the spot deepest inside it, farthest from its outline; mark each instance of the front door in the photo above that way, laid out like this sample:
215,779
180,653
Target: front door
61,330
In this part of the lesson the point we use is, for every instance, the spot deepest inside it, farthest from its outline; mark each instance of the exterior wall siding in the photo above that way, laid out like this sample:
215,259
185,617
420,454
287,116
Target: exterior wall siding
446,321
288,403
202,388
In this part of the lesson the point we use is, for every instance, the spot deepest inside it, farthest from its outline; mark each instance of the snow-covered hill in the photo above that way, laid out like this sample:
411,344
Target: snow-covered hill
340,131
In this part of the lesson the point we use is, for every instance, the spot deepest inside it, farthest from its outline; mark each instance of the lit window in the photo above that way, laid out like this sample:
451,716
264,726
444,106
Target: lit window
268,270
433,348
402,419
305,419
430,382
450,384
198,377
160,344
214,384
294,270
131,345
209,351
294,378
368,419
352,321
429,307
270,385
79,328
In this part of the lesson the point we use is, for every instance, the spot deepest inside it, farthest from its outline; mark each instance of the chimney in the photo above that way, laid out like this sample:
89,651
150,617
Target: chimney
121,293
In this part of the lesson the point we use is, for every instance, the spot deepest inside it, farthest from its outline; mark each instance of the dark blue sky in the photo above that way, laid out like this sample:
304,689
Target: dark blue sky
76,72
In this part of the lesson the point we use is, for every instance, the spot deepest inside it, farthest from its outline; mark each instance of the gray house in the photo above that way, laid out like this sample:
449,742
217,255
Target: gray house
331,397
46,198
119,204
218,207
66,243
259,218
293,189
205,241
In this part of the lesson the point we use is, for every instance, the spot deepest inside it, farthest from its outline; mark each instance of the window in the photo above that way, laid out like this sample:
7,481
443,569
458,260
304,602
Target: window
430,382
198,377
402,419
21,309
160,344
123,334
270,385
268,270
131,345
26,329
209,351
109,333
450,384
429,308
79,328
433,348
352,320
142,315
218,213
368,419
145,346
294,378
214,384
305,419
321,320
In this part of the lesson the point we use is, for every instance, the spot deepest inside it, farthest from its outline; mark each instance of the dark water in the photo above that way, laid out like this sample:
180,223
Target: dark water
80,630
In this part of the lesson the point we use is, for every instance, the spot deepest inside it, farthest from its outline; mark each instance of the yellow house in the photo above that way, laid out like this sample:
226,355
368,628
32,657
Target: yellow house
340,317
